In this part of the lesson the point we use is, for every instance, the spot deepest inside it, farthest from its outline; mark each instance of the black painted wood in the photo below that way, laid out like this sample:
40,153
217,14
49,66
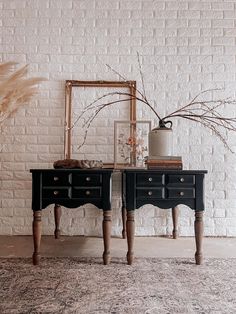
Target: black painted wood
164,188
71,187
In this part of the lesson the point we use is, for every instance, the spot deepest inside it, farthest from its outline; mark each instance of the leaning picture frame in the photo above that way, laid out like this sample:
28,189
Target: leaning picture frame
131,143
74,90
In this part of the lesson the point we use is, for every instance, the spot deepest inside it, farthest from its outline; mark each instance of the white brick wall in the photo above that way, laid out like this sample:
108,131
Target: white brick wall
186,46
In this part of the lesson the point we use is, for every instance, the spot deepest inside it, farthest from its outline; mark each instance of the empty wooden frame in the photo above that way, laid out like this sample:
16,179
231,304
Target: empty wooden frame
71,104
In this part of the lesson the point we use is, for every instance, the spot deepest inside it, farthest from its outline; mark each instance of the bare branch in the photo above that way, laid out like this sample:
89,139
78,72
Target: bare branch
204,112
143,96
92,105
141,75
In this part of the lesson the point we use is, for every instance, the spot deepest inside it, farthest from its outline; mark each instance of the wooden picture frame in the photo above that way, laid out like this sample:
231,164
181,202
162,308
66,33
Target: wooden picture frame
71,84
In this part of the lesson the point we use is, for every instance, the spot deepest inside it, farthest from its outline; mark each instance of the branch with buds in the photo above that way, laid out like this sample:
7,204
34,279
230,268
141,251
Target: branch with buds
205,112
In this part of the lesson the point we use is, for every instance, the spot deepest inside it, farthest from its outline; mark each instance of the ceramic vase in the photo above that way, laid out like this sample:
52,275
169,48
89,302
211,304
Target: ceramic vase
160,140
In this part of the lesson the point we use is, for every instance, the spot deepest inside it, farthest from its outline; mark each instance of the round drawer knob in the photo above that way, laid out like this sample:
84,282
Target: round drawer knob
181,193
88,179
55,178
150,179
150,193
181,179
55,192
87,192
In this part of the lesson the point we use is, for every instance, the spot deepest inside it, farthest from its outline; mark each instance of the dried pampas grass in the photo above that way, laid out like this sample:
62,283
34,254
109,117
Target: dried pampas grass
15,89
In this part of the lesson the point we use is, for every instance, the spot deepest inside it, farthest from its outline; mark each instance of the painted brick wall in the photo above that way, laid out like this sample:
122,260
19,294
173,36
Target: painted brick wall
185,47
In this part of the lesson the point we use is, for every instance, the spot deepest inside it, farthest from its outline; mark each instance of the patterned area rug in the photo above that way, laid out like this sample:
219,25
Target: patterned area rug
75,285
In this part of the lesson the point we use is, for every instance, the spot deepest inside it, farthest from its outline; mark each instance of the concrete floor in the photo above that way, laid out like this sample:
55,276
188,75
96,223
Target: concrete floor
22,246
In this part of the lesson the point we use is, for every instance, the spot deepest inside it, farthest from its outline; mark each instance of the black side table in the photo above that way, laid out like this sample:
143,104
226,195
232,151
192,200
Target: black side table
165,189
70,188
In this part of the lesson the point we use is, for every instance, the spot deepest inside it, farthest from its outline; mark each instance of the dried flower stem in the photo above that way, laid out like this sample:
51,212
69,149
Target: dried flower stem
15,89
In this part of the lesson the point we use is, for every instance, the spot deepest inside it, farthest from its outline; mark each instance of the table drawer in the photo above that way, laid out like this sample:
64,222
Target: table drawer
180,193
178,179
87,179
145,179
56,193
56,179
150,193
89,192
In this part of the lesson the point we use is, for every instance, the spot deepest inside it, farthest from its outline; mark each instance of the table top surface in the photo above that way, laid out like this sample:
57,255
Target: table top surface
166,171
121,170
72,170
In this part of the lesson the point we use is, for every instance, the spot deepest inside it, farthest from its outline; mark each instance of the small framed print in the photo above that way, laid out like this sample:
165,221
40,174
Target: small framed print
131,143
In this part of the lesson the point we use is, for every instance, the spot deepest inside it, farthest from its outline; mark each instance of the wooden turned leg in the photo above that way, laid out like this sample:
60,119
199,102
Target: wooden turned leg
37,230
123,222
198,227
57,217
106,226
130,227
175,216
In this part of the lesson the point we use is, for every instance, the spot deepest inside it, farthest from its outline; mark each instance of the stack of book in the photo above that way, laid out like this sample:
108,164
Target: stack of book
165,162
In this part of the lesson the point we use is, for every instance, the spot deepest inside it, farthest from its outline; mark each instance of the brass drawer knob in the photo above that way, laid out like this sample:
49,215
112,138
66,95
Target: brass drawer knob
181,179
88,179
55,192
87,192
181,193
149,193
55,178
150,179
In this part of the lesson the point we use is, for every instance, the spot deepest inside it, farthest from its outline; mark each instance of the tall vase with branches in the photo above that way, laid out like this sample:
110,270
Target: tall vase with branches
204,112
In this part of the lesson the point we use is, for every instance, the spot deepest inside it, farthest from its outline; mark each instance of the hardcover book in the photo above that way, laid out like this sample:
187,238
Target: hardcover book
165,162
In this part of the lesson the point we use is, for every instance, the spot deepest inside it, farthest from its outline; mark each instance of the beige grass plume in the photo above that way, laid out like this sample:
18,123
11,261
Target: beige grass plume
16,89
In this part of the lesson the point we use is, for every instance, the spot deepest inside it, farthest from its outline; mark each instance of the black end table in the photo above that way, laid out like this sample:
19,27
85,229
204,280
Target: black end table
70,188
165,189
